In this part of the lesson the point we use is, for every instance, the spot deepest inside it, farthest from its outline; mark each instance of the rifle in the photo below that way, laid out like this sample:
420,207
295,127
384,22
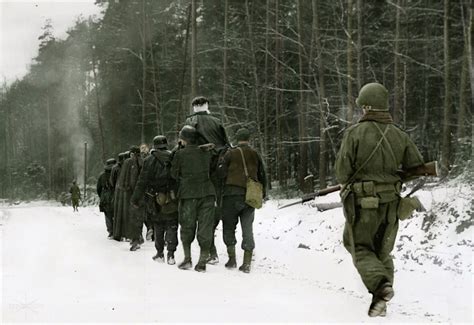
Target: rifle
428,169
311,196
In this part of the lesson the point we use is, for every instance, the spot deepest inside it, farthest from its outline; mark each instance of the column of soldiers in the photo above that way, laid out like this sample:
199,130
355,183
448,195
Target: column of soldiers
202,181
191,187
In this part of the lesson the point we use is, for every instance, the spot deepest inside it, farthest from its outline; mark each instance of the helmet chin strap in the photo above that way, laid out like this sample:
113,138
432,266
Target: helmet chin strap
201,108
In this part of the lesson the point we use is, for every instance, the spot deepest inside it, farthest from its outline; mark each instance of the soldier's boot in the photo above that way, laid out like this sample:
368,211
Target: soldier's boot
384,293
213,259
186,264
170,258
134,245
245,267
159,257
203,258
232,262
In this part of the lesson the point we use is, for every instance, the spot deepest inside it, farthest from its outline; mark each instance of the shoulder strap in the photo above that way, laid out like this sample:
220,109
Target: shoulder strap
377,146
387,142
243,160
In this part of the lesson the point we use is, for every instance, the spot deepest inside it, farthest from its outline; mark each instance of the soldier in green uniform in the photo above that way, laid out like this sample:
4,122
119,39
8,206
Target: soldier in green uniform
159,189
75,195
366,165
210,130
191,168
233,206
106,194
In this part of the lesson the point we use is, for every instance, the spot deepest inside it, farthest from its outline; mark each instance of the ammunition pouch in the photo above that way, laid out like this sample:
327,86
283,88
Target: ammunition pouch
370,202
369,194
407,206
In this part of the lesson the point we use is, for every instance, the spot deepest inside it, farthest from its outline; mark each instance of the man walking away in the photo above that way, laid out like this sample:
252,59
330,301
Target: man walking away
366,166
232,170
210,130
106,194
160,190
191,168
75,196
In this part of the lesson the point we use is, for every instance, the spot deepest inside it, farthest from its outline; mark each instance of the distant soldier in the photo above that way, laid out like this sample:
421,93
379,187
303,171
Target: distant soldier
233,171
210,130
106,194
160,190
366,165
191,168
75,195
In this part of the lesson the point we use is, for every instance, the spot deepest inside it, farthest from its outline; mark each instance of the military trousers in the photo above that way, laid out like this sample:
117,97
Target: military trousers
135,222
109,224
370,240
235,208
196,219
166,233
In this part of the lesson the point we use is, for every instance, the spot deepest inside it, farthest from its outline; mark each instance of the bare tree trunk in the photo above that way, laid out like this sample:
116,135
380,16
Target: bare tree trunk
279,138
303,150
99,108
350,106
464,75
193,50
266,152
321,98
359,43
156,101
397,114
144,71
446,146
255,73
224,65
50,167
180,109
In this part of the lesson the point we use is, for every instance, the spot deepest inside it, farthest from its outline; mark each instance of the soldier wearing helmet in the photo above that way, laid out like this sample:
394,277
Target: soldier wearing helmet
191,169
371,152
157,191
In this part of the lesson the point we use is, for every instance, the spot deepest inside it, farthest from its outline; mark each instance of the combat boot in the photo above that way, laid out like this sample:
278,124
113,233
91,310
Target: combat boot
232,262
170,258
186,264
384,291
213,259
378,307
149,234
201,265
134,246
159,257
245,267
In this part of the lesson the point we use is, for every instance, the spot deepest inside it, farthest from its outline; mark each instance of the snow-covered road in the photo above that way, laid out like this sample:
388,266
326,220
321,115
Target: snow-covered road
58,266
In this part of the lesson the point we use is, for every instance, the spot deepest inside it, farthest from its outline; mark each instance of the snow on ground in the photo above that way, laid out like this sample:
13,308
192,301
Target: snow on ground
58,266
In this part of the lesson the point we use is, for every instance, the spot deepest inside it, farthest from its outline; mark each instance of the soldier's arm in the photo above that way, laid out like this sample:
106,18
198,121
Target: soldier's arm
223,166
174,171
412,156
261,174
99,185
142,182
345,159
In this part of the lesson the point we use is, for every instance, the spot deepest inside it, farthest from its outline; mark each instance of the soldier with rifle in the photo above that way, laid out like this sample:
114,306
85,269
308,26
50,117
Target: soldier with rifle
106,194
367,164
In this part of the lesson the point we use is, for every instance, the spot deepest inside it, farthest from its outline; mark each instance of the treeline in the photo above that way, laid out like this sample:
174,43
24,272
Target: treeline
289,70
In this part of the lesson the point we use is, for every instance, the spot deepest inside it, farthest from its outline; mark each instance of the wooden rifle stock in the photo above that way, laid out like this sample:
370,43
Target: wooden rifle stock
428,169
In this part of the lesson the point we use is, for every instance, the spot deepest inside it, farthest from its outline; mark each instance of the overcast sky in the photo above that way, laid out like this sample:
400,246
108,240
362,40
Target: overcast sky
20,26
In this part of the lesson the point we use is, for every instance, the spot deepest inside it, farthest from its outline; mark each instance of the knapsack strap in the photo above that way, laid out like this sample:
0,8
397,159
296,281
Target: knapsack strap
387,142
243,160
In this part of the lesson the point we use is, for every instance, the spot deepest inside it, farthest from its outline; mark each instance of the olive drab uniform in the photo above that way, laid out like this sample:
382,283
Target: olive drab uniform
366,165
233,202
211,130
75,196
155,180
191,168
